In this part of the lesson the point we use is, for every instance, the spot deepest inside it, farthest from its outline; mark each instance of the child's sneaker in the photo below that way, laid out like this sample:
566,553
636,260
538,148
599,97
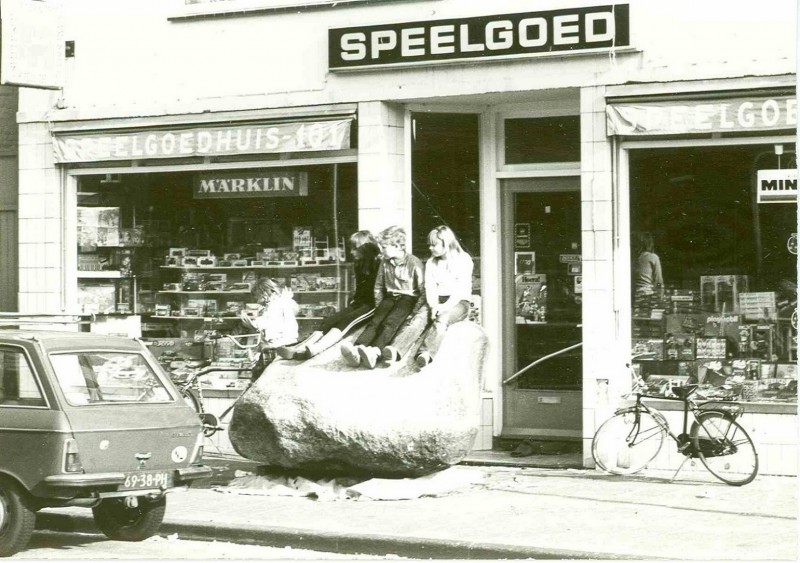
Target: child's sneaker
369,355
390,354
350,354
286,352
423,359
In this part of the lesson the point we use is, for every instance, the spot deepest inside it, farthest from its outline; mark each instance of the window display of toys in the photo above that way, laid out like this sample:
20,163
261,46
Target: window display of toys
720,293
650,348
759,306
711,348
163,310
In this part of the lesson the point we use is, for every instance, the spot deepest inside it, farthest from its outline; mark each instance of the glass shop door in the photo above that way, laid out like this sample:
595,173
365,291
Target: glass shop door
542,293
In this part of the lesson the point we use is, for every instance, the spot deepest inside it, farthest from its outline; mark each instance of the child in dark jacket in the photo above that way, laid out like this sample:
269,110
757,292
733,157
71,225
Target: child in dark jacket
399,284
365,251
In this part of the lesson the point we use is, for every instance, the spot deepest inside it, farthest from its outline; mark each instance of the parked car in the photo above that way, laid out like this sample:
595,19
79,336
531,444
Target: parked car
90,420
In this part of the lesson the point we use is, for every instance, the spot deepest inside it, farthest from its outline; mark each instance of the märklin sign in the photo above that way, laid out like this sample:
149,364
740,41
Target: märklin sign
251,183
462,39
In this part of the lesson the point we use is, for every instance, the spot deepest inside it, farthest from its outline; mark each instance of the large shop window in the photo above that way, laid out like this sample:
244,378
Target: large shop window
178,253
445,182
724,315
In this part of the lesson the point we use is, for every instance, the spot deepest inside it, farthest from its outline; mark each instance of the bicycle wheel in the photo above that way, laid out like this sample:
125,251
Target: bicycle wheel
191,399
725,448
626,443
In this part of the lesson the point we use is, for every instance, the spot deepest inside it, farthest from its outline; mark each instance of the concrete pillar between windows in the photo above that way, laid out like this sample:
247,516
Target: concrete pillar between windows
384,193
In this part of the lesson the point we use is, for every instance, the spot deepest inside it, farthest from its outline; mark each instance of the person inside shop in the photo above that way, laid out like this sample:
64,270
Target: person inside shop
448,291
399,285
366,259
276,320
647,276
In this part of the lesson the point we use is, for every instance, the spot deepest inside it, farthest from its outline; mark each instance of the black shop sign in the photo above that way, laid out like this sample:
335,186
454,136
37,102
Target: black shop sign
499,36
251,183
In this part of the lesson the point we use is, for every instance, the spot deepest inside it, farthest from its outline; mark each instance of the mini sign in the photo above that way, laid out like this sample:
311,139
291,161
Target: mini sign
251,183
777,186
569,258
507,35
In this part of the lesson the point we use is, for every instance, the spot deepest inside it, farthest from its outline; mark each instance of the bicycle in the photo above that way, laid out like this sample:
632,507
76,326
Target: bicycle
191,390
628,441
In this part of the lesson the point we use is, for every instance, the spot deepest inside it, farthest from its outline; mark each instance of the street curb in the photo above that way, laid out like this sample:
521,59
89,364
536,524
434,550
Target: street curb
315,540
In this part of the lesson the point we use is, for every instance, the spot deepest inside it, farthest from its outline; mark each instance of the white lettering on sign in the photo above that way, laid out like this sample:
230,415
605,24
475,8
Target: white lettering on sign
210,141
777,186
671,118
548,32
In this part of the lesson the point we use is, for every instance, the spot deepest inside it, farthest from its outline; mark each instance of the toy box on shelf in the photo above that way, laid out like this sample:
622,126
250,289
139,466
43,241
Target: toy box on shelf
720,293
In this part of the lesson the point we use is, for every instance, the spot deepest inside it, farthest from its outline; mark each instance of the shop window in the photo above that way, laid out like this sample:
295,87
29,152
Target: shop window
445,181
177,254
542,140
725,315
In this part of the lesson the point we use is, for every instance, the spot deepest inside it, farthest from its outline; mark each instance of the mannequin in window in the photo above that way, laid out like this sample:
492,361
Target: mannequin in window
646,265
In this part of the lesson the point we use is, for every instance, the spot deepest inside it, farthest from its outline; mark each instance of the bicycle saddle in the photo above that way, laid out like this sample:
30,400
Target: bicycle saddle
197,364
683,392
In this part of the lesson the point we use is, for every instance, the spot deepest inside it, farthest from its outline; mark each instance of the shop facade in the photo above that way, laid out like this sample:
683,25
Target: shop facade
539,137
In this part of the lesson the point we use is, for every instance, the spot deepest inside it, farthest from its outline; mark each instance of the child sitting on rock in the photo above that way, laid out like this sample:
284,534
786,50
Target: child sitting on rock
448,291
365,251
399,284
277,320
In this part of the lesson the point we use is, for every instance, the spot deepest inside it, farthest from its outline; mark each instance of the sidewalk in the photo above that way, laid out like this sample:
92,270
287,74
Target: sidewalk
516,513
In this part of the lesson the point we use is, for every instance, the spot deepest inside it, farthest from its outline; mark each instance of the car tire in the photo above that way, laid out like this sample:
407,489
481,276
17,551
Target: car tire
17,518
122,523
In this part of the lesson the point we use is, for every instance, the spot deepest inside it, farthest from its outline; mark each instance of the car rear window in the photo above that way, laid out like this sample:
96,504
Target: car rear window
90,378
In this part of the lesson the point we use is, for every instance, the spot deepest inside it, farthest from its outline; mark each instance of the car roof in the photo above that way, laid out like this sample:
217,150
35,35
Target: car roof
56,340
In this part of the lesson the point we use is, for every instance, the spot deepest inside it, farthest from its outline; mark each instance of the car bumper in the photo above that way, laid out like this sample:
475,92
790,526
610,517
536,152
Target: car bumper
86,481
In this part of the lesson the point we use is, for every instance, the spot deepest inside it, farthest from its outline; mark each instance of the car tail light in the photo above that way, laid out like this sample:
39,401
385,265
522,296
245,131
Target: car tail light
72,461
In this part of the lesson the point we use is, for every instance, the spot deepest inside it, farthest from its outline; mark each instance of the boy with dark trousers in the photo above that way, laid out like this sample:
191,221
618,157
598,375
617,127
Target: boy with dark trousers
398,287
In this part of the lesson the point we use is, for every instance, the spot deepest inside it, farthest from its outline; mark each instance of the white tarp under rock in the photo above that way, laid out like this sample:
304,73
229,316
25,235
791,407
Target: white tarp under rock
447,481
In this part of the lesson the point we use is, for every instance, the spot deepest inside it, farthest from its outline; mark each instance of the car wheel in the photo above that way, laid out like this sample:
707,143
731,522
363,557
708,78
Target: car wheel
17,518
120,522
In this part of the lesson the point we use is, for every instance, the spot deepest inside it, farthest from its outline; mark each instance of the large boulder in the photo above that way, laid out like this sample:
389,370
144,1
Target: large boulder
322,416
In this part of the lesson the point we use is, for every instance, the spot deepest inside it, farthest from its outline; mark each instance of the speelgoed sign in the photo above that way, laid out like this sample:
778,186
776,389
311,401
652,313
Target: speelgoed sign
708,116
507,35
203,141
251,183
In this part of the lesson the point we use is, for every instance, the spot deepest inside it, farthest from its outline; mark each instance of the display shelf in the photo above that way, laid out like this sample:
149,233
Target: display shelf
240,268
100,274
208,292
190,318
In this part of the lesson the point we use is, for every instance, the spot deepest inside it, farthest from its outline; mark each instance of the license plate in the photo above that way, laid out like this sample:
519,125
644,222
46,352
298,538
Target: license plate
147,480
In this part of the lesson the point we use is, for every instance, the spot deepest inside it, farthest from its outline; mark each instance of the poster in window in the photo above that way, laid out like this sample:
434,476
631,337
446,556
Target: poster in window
522,235
524,263
531,298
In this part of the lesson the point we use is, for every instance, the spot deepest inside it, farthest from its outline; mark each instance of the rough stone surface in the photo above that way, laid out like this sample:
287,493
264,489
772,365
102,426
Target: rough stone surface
323,416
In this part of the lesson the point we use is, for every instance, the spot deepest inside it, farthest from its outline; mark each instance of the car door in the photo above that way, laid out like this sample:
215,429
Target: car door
32,428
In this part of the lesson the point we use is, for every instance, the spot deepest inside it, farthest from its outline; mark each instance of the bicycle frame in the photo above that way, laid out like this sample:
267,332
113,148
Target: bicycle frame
729,409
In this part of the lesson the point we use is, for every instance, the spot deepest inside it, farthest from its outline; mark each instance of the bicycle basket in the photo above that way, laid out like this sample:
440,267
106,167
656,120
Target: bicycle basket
730,409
